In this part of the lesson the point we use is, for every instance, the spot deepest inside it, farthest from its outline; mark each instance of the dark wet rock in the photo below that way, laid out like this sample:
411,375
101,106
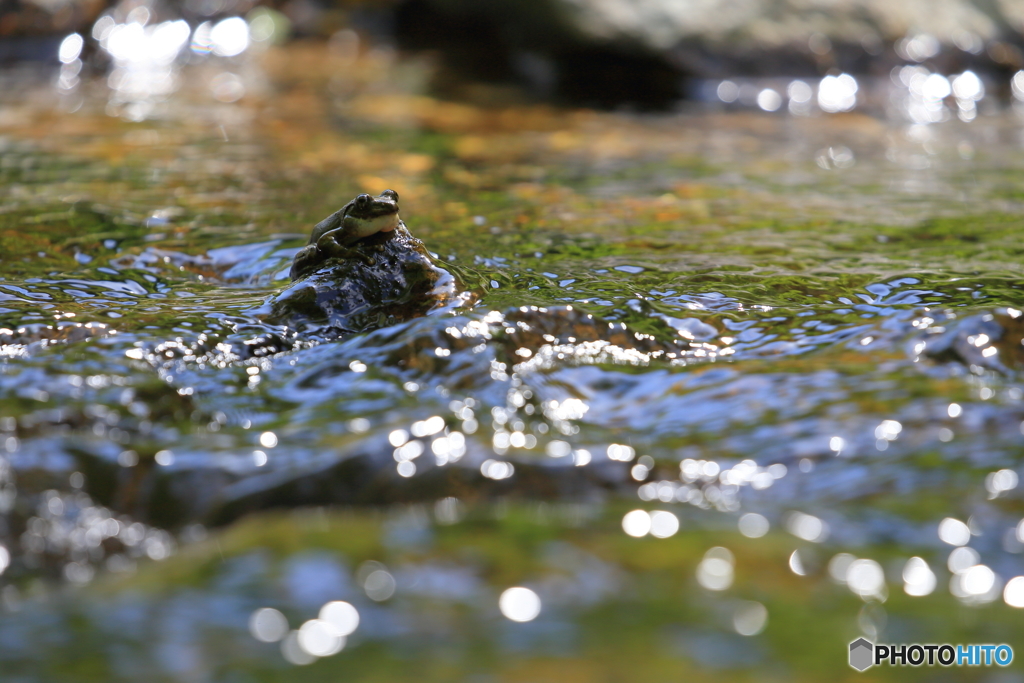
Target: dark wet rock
537,46
990,341
575,332
476,353
397,281
386,279
371,480
618,52
364,475
68,535
59,333
248,341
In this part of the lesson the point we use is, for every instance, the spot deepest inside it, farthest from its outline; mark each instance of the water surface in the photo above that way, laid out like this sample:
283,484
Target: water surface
794,339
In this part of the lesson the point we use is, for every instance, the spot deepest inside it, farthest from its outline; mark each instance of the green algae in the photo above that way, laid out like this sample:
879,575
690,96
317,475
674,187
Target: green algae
166,231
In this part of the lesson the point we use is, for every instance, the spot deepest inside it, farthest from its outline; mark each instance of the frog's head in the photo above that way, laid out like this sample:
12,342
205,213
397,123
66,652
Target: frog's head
366,215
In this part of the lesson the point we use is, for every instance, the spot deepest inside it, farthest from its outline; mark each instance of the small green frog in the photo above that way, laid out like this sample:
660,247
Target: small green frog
334,236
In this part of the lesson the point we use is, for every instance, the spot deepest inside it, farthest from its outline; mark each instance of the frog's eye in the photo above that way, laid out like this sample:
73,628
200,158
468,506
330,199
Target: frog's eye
363,200
390,194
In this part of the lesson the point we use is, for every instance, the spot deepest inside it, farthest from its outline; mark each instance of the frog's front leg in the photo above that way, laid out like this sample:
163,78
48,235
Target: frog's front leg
328,246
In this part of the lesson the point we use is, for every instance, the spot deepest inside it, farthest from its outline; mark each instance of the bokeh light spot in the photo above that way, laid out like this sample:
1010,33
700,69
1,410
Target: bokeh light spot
519,604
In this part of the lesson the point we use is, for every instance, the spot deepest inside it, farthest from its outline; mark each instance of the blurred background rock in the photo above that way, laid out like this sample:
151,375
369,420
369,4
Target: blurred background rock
649,53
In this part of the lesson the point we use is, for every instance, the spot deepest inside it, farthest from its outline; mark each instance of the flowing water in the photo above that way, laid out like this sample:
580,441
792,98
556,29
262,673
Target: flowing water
716,377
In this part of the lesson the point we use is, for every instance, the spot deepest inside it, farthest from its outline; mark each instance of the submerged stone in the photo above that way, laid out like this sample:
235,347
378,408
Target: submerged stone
991,341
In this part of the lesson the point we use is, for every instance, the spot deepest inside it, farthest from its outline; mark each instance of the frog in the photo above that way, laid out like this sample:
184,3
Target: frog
361,269
336,235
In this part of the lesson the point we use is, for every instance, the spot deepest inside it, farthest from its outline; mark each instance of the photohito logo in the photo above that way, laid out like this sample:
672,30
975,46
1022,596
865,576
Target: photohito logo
865,654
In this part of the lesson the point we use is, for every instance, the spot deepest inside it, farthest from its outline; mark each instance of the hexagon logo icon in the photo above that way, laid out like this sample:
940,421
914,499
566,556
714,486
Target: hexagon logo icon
862,654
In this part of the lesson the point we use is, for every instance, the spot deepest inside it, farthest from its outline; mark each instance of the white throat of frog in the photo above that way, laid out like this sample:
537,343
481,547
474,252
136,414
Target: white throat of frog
369,226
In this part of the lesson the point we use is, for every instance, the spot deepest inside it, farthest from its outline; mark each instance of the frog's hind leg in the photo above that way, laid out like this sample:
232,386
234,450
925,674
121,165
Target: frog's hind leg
328,246
304,260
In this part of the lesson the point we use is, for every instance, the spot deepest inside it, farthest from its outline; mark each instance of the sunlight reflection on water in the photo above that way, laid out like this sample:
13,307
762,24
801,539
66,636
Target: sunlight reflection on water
828,389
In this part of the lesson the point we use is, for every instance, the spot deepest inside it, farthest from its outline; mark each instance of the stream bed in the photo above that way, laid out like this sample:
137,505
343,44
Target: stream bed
725,389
